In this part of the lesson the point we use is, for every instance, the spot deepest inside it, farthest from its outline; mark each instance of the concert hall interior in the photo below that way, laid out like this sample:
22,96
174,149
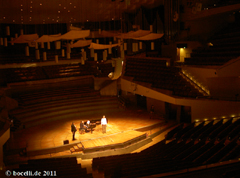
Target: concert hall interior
120,88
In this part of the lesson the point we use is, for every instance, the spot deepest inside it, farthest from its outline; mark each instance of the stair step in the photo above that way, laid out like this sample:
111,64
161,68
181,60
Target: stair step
72,150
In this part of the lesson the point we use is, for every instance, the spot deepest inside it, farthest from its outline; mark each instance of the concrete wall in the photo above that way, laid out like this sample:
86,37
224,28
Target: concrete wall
222,82
231,68
200,108
200,75
109,90
227,88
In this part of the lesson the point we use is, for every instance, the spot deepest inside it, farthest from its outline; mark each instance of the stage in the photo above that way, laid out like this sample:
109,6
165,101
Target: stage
122,127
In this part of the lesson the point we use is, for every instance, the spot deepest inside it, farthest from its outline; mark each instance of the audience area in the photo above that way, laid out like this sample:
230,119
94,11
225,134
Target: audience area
222,47
160,76
184,147
97,69
57,167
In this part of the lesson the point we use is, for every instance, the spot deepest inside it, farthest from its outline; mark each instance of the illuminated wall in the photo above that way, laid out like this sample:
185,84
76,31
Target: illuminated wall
199,75
200,108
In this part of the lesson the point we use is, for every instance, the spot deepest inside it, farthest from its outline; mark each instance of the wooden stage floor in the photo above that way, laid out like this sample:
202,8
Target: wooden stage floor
53,134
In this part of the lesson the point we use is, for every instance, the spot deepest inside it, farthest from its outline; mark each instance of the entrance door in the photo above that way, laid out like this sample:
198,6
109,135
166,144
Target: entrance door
185,114
141,101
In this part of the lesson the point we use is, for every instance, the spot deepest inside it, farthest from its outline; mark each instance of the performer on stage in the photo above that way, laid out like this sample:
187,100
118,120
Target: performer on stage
88,123
73,129
104,124
82,127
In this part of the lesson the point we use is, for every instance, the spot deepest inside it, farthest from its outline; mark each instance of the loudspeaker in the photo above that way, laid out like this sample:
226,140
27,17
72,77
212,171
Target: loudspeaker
65,142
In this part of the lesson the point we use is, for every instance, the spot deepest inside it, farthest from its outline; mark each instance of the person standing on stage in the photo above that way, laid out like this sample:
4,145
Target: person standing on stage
73,129
104,124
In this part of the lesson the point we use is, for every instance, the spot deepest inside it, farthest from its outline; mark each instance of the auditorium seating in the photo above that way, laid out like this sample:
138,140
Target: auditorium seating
58,167
214,134
224,46
172,155
12,75
160,76
47,105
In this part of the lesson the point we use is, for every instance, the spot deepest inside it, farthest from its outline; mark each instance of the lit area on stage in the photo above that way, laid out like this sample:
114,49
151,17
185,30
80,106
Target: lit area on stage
54,138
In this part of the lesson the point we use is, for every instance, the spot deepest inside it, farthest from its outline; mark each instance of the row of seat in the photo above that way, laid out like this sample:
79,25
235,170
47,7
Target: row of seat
160,76
173,155
210,131
12,75
224,46
57,167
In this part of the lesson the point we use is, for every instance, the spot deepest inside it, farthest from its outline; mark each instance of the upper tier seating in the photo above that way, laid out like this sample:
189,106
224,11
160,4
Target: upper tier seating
155,72
12,75
224,46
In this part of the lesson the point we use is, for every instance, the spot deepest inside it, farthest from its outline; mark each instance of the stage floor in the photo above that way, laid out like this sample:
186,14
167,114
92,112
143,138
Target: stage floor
53,134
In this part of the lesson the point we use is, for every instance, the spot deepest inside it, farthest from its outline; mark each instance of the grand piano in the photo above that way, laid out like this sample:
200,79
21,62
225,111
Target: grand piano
90,127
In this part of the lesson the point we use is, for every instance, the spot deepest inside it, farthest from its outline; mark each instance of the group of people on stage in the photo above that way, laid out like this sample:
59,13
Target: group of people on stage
83,127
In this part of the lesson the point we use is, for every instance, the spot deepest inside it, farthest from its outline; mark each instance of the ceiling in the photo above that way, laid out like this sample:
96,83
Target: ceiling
68,11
